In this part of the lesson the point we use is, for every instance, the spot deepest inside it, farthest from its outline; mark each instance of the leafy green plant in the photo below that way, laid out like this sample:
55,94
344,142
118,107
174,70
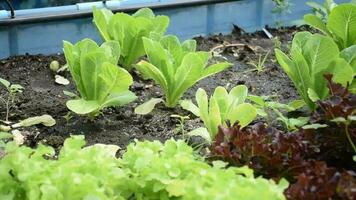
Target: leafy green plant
281,6
322,11
172,171
265,107
128,30
221,107
340,25
175,67
260,65
100,82
312,56
12,91
147,170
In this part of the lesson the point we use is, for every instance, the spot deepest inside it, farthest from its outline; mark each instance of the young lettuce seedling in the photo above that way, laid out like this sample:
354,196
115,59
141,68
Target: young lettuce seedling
128,30
312,56
12,91
100,82
221,107
175,67
265,107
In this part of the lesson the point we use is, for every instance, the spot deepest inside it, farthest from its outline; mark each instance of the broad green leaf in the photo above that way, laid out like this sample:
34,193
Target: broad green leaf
113,80
119,99
109,149
190,106
314,126
203,105
299,40
342,71
342,23
319,51
45,120
215,68
302,72
5,83
70,94
148,106
101,21
287,65
313,96
349,54
317,23
280,106
160,58
296,104
202,132
298,122
5,135
238,93
189,45
173,49
144,12
151,71
223,100
187,74
82,107
257,99
112,50
244,113
214,117
176,188
339,119
90,69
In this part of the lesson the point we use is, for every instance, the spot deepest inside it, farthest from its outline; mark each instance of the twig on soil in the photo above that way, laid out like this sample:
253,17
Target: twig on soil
227,45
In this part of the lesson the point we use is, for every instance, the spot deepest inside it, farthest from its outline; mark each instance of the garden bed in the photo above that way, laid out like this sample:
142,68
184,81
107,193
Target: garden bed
121,125
271,114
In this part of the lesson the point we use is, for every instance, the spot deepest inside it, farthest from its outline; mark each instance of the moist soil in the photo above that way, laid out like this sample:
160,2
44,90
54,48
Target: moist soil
121,125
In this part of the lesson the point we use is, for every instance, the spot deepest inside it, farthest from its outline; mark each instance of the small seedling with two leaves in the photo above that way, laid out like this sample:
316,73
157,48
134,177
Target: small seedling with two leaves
180,126
13,90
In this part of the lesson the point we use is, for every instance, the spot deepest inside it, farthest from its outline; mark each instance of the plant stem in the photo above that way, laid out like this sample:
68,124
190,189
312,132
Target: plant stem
349,137
7,109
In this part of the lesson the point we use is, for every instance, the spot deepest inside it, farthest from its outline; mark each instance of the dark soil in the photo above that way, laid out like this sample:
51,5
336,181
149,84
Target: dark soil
121,125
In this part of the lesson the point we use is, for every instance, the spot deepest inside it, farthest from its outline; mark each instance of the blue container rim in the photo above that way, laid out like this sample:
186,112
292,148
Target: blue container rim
38,15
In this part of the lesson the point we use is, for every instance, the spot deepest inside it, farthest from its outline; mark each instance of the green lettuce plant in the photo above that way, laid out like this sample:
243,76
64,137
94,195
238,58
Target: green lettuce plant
175,67
147,170
220,108
128,30
267,107
100,82
340,24
322,11
312,56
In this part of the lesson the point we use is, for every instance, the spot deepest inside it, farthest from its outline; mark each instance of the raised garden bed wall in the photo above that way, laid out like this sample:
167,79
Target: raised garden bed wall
48,27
